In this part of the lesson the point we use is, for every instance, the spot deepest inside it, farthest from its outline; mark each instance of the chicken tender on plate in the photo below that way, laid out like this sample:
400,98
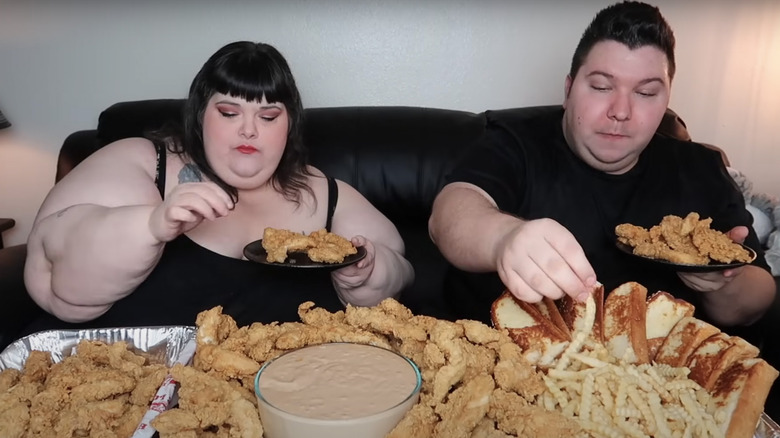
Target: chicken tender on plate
688,241
320,246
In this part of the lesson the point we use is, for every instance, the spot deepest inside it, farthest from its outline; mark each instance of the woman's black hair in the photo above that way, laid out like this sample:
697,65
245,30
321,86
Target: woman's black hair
249,71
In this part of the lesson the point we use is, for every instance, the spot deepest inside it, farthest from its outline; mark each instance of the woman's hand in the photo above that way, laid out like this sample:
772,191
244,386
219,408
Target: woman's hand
186,206
541,258
355,275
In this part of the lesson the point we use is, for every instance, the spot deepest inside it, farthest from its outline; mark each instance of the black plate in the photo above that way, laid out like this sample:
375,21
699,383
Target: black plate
256,253
681,267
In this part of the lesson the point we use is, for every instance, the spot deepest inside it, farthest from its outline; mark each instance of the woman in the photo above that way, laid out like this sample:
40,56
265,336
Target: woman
151,232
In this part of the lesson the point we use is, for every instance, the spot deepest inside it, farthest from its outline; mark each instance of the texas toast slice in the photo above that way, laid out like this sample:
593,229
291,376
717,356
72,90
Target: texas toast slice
541,341
625,310
573,313
663,312
683,339
739,394
715,355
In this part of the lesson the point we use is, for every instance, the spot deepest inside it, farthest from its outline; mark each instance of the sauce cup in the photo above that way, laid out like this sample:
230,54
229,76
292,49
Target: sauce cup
336,390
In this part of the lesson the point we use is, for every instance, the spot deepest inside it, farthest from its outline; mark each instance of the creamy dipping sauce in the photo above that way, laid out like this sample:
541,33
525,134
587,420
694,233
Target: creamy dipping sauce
337,381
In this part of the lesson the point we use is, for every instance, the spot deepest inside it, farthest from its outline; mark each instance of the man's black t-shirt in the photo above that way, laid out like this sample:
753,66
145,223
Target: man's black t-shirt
529,171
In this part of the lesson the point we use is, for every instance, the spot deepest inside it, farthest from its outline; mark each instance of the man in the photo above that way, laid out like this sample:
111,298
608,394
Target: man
537,201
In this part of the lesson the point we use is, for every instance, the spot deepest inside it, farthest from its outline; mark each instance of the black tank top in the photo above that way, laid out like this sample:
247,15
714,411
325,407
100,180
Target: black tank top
190,278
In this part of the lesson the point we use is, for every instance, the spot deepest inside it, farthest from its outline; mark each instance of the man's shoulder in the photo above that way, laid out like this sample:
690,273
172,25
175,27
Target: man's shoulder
686,150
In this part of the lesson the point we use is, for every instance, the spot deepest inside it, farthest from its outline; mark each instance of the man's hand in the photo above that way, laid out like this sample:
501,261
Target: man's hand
186,206
713,281
541,258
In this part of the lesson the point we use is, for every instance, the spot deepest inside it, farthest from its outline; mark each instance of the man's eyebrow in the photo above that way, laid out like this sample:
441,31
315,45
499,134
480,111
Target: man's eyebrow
600,73
610,76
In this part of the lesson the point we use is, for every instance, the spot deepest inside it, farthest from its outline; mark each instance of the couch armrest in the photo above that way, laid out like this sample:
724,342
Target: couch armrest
17,309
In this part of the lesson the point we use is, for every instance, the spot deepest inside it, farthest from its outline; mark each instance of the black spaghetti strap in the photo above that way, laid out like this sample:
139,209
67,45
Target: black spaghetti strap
159,177
333,199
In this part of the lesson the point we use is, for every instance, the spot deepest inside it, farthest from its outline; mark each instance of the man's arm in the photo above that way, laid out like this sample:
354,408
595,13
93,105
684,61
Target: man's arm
743,300
534,259
466,225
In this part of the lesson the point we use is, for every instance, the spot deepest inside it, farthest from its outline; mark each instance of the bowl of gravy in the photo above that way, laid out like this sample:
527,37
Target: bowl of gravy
336,390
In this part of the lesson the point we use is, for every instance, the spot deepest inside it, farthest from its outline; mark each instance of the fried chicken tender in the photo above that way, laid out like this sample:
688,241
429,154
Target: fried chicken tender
277,243
8,378
176,421
16,417
103,390
213,326
208,401
486,428
717,245
632,235
329,247
463,364
417,423
688,240
465,408
524,420
319,245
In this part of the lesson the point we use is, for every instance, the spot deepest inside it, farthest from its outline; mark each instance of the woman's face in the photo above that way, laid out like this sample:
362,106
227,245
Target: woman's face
243,140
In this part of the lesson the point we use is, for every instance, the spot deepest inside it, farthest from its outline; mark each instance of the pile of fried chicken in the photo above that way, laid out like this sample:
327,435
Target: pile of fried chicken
476,382
320,246
688,240
100,391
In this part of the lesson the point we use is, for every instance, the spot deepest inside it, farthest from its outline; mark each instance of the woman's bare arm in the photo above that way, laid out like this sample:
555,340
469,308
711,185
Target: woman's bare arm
91,242
389,271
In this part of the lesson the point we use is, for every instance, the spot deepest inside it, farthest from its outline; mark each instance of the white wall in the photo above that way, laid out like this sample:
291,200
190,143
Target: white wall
62,62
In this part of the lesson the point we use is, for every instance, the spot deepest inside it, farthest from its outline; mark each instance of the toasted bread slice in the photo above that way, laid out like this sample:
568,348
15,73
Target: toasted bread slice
573,313
541,341
549,310
625,310
685,337
715,355
663,312
743,348
739,394
709,360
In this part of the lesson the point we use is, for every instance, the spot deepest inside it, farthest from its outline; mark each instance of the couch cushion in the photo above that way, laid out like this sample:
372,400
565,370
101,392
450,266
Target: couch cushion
397,157
136,118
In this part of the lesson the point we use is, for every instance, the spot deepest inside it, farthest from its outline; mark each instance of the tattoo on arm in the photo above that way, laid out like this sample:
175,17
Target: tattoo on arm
190,173
62,212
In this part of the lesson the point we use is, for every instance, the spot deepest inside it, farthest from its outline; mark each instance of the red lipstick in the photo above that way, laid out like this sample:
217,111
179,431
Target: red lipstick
246,149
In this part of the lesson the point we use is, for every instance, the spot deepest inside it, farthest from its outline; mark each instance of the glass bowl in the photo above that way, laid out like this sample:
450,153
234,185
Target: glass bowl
336,390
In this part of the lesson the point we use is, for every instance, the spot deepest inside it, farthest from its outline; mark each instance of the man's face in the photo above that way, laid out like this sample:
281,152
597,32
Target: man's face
615,103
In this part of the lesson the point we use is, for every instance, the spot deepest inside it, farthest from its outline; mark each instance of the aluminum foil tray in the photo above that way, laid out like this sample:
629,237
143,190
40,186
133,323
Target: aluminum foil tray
165,344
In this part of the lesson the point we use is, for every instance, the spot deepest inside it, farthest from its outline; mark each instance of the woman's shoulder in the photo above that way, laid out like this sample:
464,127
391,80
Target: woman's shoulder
133,148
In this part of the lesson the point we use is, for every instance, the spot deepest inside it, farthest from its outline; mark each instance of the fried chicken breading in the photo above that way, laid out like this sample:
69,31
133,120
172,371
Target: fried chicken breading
102,390
476,381
688,241
320,245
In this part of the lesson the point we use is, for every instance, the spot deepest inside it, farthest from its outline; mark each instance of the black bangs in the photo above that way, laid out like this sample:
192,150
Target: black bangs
253,74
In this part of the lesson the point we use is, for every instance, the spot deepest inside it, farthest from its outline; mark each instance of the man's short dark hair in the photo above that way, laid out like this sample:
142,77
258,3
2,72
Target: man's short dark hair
634,24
